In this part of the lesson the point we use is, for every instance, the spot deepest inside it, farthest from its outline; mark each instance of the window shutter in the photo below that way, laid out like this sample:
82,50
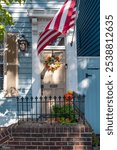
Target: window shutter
11,66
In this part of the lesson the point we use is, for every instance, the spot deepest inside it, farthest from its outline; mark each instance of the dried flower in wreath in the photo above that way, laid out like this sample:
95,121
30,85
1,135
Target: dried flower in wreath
52,63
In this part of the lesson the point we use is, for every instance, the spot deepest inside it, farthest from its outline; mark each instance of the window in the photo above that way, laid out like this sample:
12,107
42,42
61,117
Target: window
9,65
59,41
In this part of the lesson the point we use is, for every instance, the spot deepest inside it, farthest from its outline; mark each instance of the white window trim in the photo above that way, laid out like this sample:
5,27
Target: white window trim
55,48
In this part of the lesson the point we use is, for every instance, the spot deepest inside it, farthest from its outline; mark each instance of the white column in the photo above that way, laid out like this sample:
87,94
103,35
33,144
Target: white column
71,60
36,80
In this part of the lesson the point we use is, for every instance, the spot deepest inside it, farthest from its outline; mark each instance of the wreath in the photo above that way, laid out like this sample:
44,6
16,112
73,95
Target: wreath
52,63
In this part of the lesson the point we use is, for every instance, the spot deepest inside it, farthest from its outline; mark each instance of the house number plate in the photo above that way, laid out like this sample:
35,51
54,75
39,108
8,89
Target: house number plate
53,86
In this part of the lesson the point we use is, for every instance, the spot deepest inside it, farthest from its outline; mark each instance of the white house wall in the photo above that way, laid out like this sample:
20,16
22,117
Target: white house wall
71,60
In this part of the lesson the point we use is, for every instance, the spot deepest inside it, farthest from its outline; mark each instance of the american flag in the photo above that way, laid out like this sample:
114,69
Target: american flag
59,24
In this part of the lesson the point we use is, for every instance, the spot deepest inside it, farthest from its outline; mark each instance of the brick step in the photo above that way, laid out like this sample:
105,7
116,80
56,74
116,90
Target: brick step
46,148
50,139
76,137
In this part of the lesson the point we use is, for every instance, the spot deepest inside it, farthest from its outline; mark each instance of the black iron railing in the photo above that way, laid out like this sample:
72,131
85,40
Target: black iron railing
51,109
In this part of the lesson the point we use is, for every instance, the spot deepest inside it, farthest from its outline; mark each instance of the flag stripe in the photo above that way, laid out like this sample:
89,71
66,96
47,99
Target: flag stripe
70,12
48,41
56,16
73,16
64,17
72,22
51,34
47,27
58,19
51,26
46,33
70,26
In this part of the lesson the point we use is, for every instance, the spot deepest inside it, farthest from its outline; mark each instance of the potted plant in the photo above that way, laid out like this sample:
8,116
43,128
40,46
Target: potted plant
95,142
64,112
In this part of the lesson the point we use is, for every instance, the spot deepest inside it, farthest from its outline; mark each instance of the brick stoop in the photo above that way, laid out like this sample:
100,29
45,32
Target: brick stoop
35,136
5,134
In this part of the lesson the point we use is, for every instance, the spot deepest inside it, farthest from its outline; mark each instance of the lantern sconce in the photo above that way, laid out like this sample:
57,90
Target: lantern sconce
23,43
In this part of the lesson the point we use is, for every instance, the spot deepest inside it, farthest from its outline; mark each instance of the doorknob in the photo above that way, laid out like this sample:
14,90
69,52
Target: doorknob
88,75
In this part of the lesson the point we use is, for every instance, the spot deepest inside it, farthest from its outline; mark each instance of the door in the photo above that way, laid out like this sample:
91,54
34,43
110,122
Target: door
89,84
53,83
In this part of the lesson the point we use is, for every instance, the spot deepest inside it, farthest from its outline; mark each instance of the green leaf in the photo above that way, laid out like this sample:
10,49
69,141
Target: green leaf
2,31
5,17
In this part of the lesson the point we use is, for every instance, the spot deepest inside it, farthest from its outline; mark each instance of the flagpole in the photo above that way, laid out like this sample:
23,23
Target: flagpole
77,11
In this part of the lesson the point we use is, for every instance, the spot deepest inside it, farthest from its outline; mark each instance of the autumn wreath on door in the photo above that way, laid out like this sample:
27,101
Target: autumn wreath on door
52,63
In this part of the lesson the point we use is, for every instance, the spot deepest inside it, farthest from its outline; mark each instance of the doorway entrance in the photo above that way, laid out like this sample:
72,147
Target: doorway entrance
53,83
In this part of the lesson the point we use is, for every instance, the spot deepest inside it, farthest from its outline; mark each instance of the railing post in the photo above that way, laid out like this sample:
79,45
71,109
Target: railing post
69,107
31,108
22,109
64,105
41,105
36,98
45,107
84,121
55,107
50,98
74,117
18,109
80,104
60,105
27,107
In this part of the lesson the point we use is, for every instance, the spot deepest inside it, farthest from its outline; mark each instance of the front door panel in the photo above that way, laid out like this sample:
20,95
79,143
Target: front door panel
53,83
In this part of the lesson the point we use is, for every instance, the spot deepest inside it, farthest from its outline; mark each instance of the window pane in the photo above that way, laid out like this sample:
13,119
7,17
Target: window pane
1,51
1,57
1,83
58,42
1,77
1,70
1,45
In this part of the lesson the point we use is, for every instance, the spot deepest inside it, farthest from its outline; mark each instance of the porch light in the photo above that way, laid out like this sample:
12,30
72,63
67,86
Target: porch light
23,43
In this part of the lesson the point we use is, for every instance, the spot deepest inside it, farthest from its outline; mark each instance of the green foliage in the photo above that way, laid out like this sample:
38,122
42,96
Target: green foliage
8,2
65,114
95,140
5,16
2,30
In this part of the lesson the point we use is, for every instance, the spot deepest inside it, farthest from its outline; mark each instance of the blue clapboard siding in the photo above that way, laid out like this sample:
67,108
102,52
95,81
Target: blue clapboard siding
22,25
88,28
88,44
90,87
